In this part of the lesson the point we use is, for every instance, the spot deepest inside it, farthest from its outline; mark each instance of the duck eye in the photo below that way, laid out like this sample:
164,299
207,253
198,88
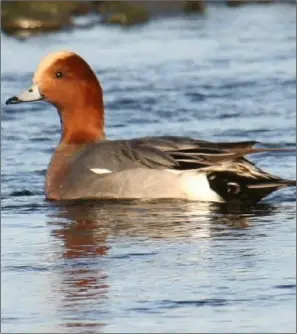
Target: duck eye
59,75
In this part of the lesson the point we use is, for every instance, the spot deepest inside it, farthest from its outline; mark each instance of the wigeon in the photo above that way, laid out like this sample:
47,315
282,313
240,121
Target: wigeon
86,165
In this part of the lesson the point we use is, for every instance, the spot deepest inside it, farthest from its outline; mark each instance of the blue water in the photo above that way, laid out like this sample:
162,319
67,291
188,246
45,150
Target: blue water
165,266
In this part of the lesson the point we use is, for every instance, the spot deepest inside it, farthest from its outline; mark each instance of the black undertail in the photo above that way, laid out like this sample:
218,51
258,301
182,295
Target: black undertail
234,187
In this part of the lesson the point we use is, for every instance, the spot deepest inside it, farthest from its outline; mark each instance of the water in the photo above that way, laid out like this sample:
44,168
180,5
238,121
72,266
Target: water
165,266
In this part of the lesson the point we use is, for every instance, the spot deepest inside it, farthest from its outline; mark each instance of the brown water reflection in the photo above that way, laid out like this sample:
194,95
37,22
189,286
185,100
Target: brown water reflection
89,229
82,282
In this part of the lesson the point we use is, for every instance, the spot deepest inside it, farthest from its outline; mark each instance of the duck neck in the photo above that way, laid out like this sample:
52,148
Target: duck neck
82,124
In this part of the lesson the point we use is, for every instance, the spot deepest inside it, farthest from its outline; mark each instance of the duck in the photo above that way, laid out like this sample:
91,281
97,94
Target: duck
87,165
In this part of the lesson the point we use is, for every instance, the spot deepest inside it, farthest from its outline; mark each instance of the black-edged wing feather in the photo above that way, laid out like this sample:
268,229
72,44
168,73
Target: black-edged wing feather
191,153
168,152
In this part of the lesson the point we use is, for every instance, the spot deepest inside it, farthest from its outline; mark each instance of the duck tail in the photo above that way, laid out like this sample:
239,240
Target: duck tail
263,189
234,187
282,183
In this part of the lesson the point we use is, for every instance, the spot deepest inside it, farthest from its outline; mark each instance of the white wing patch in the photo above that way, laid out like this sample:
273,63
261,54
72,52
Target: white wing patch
100,170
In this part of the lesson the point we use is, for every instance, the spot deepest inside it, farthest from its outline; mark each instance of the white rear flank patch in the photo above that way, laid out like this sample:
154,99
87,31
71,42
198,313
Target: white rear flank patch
196,187
100,170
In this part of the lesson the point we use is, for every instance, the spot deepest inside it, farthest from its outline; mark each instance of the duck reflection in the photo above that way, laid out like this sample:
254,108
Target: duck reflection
93,222
88,229
84,282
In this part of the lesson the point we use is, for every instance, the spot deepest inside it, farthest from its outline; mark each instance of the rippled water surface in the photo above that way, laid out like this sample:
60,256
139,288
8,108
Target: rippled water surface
155,266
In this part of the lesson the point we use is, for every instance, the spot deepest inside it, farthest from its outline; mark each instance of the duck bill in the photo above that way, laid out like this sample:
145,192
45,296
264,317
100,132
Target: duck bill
30,95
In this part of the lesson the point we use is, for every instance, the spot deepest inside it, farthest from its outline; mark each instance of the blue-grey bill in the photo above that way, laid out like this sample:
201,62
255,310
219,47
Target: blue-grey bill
30,95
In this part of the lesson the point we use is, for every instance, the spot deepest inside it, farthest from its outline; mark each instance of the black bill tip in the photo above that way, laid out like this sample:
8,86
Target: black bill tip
13,100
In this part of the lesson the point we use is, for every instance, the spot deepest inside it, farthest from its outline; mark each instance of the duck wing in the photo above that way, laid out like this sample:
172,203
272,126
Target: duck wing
178,153
191,153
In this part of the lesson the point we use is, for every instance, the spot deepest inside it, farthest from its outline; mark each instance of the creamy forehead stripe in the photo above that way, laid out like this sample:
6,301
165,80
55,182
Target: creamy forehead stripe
48,61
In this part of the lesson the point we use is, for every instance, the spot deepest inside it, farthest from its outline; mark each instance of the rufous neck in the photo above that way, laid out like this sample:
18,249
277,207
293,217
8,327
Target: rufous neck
82,124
